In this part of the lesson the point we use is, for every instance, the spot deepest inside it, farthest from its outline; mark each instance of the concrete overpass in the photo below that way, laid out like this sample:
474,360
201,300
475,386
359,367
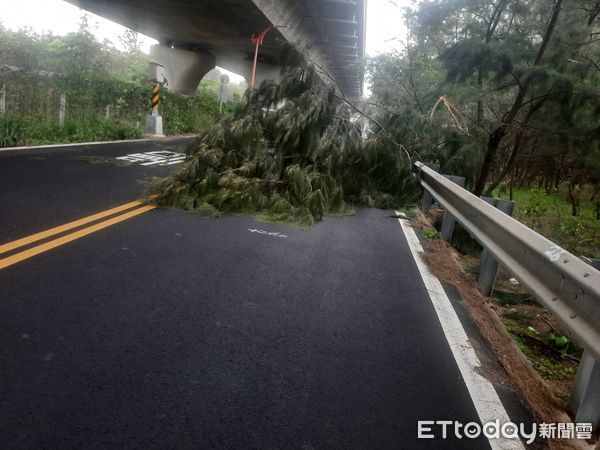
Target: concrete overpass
196,35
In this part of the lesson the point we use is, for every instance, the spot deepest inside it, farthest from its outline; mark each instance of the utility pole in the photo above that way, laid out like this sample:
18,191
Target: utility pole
224,80
258,40
3,99
63,110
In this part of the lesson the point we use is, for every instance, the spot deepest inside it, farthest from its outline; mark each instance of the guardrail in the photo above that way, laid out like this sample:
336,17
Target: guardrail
564,284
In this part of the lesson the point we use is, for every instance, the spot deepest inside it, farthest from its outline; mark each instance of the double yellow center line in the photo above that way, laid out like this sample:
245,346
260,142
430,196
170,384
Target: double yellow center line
128,211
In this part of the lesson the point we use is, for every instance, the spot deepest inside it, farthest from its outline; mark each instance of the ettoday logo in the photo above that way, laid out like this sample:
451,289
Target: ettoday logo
436,429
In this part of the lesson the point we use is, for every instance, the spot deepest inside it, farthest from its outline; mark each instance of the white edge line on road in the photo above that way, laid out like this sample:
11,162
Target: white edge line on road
484,396
73,144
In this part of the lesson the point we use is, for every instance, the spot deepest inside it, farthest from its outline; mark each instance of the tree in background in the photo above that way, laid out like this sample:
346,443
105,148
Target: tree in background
498,91
106,89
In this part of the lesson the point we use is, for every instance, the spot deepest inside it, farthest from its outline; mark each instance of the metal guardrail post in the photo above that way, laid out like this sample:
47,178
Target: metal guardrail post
427,199
566,286
426,202
488,266
585,395
449,221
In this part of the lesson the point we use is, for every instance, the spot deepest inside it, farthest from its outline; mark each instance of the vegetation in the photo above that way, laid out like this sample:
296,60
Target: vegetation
551,216
535,332
294,152
430,234
107,95
505,92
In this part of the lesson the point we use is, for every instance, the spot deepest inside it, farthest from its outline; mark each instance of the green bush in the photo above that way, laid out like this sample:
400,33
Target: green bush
80,131
12,130
580,235
194,114
535,208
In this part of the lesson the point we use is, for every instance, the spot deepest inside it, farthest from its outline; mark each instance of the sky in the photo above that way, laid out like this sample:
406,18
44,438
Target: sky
384,22
385,26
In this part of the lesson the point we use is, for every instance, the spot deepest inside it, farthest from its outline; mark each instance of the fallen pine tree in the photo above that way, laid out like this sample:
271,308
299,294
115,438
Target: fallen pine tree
294,153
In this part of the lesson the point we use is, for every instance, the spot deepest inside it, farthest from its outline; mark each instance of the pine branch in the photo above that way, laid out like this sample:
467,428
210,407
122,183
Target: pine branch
387,110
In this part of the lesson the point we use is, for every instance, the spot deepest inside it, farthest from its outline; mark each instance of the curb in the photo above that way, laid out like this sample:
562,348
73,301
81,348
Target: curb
79,144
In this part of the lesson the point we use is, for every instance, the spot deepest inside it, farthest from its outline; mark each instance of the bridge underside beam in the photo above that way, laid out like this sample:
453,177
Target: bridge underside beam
332,31
183,69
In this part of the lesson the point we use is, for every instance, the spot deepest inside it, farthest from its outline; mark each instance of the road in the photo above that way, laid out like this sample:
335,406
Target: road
170,330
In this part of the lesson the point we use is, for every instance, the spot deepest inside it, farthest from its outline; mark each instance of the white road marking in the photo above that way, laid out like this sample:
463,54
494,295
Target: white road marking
74,144
273,234
157,158
484,396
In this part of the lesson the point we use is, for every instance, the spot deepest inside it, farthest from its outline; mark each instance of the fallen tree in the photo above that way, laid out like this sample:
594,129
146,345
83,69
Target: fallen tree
296,151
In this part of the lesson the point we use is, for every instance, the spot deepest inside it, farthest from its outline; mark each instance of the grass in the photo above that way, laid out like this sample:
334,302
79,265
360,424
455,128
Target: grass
543,354
410,211
16,130
508,299
534,330
430,234
550,215
537,335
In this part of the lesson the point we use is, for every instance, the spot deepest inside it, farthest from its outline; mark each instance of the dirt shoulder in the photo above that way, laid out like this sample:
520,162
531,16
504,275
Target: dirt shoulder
515,328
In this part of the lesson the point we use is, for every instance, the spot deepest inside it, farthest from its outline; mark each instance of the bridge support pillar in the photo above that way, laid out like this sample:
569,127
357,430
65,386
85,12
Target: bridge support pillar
183,69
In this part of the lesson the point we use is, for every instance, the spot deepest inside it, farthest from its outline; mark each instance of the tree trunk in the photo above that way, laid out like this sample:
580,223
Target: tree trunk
495,140
596,192
548,184
493,23
508,167
479,100
512,182
500,132
517,144
573,200
574,193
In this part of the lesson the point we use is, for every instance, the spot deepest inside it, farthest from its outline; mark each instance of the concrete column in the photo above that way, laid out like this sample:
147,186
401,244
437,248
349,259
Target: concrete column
183,69
154,124
3,99
62,110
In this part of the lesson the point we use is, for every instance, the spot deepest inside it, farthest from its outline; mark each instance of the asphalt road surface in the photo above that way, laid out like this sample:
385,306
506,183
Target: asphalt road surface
46,187
170,330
